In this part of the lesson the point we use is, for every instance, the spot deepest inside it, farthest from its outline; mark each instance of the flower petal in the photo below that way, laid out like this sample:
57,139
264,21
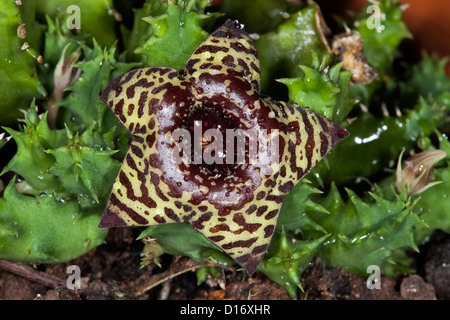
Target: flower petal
228,50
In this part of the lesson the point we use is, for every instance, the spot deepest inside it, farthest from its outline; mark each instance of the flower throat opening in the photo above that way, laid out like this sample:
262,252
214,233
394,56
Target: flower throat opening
213,140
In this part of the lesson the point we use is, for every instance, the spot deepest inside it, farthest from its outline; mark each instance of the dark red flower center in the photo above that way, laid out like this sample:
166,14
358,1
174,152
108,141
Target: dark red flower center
208,130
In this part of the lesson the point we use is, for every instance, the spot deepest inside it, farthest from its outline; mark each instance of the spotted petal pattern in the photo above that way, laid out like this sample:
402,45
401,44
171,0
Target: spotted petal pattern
236,207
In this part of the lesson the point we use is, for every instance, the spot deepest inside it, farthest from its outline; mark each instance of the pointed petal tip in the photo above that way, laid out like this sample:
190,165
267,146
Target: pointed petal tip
234,24
342,133
338,134
103,94
231,29
251,270
250,265
110,219
116,85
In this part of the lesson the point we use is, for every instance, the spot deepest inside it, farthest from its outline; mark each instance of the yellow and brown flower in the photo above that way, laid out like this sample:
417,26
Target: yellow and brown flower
236,204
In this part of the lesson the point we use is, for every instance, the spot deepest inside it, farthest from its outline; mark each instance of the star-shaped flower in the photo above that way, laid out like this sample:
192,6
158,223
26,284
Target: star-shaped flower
235,203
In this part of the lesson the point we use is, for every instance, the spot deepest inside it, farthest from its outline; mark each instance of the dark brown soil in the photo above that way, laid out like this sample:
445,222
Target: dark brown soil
113,272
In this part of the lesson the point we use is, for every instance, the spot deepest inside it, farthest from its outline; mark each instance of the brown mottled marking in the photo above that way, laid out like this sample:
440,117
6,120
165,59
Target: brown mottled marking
171,214
219,227
286,187
260,195
221,81
261,210
260,249
240,244
211,49
268,231
251,209
271,214
216,238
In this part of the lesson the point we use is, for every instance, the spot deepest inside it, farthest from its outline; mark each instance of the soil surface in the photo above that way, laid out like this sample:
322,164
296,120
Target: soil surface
113,272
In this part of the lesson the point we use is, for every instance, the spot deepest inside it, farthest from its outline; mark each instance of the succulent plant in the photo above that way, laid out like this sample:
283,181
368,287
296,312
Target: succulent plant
45,229
178,30
19,81
376,142
64,169
296,41
234,203
323,89
262,16
94,19
382,31
365,232
38,210
286,260
77,159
